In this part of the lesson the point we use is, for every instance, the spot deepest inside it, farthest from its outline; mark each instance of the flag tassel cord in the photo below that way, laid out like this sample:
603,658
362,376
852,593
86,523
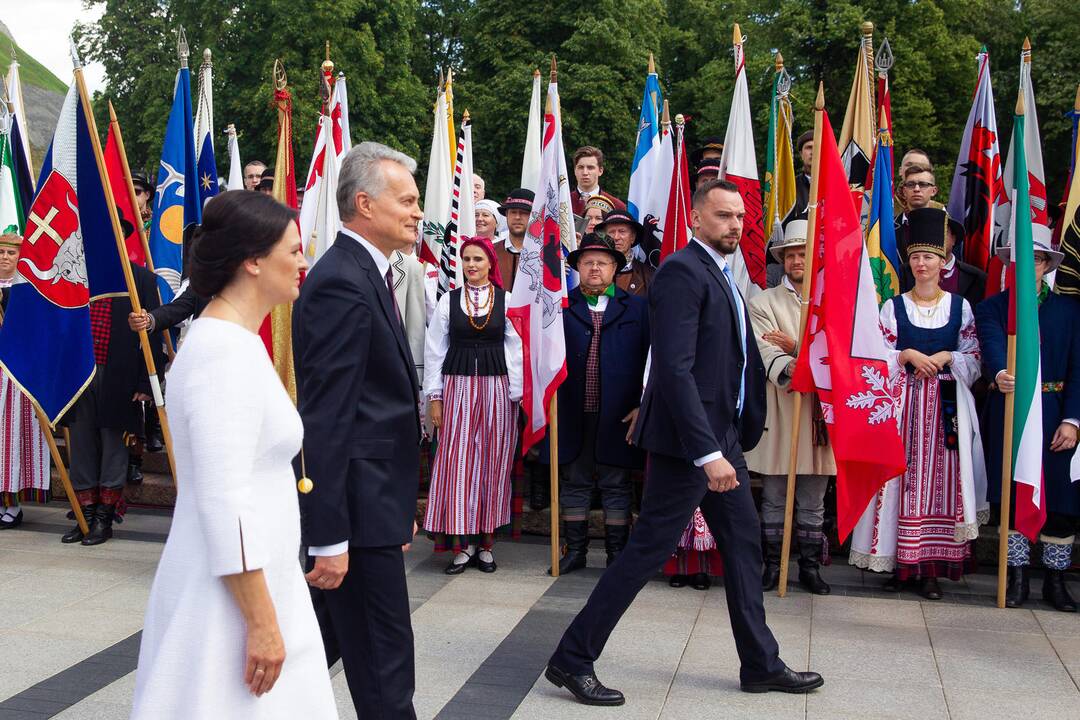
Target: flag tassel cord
1006,476
125,264
137,222
804,306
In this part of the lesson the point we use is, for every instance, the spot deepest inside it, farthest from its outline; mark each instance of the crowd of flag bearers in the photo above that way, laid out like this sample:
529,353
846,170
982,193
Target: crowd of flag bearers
920,357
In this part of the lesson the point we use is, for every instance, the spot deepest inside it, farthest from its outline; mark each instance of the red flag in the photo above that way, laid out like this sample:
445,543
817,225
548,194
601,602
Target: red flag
677,218
842,354
118,186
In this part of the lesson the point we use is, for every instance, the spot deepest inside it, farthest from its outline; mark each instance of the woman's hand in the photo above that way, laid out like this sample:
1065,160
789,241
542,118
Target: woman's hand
1006,383
924,366
265,656
941,359
435,407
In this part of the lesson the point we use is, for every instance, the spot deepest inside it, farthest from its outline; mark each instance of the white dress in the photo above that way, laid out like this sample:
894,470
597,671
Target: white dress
235,432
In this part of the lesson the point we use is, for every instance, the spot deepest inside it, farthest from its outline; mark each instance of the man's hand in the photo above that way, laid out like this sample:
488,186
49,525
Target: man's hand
1006,383
406,546
139,321
329,571
721,475
1064,437
631,418
141,397
781,340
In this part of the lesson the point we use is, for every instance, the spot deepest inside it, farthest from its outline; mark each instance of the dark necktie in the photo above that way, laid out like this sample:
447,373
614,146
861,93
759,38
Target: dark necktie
390,288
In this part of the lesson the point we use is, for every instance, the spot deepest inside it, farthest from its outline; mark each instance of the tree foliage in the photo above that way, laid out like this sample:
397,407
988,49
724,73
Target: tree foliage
392,51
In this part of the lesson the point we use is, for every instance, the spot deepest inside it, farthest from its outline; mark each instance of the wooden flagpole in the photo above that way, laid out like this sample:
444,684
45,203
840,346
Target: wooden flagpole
125,264
1007,440
115,125
804,306
61,470
553,432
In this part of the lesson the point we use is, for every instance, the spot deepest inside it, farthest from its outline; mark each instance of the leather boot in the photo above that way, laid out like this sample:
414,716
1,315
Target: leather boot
539,490
101,526
770,574
809,566
1017,586
75,534
577,546
1055,592
134,471
615,537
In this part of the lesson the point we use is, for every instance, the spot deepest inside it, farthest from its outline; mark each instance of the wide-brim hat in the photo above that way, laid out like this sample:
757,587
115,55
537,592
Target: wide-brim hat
794,236
620,216
596,242
710,142
519,199
806,137
708,166
1041,242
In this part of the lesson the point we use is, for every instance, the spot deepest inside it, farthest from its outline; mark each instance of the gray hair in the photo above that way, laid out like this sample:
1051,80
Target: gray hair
360,174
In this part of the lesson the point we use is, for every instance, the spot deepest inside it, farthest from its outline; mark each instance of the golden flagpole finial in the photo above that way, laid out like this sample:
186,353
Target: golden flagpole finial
779,62
665,118
867,28
737,36
819,103
554,69
652,64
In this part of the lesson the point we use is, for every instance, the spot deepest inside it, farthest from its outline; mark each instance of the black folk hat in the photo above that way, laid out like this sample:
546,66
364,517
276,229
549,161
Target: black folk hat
596,242
520,199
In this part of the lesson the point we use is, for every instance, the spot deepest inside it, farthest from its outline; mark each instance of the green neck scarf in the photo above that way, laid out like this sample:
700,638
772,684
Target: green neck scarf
592,299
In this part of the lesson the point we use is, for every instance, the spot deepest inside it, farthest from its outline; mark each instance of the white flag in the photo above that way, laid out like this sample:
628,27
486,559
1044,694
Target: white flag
530,163
319,218
236,168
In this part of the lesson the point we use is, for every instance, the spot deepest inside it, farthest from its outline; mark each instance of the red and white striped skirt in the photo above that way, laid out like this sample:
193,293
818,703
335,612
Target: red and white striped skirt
24,452
470,477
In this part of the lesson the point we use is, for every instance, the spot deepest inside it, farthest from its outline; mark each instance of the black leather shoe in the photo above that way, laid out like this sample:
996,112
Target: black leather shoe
9,522
155,443
701,581
770,577
894,584
812,581
1017,586
486,567
586,689
75,534
101,525
930,589
787,681
134,472
1055,592
677,581
456,568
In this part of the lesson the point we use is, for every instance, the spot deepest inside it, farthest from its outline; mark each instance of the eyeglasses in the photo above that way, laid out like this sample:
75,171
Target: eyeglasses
590,264
922,185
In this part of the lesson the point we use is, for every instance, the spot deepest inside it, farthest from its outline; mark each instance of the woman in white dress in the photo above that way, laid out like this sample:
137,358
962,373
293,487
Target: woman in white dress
230,631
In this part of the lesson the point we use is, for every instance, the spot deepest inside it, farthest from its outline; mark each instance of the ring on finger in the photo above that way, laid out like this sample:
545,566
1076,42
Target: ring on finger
260,670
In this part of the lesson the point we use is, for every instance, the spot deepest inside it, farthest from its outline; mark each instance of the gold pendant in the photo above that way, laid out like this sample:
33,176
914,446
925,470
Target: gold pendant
304,485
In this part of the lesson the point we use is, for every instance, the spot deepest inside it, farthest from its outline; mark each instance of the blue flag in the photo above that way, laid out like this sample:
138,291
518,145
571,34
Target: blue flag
204,135
881,234
647,150
68,258
178,202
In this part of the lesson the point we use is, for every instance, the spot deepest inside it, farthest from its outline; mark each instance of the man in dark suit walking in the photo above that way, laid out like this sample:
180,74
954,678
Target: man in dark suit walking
357,393
704,403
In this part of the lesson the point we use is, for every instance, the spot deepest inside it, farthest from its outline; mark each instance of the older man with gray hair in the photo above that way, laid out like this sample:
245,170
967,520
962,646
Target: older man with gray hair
357,394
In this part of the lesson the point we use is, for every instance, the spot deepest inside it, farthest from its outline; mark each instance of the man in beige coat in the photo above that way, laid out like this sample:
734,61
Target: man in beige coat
774,315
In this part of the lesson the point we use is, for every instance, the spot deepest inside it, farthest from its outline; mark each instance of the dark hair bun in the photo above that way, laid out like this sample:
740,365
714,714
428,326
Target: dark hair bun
237,225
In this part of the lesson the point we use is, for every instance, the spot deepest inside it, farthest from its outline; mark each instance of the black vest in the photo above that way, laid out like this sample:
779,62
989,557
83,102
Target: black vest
472,351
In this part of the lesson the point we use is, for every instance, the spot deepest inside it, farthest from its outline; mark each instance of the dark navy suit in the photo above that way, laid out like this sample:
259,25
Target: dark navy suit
689,410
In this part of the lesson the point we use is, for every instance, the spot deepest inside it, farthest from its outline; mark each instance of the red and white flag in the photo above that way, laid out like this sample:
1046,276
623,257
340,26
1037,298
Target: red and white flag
738,165
319,219
539,294
676,221
977,186
842,354
118,186
462,215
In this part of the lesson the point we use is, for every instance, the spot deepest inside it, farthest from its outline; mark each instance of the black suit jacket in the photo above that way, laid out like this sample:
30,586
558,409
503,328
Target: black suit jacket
692,394
180,308
357,393
971,282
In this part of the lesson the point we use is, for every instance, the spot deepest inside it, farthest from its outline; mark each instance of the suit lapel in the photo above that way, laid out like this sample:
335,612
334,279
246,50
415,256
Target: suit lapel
615,308
725,287
579,307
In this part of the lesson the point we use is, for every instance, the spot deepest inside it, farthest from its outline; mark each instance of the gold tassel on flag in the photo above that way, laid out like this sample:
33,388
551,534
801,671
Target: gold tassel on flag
284,192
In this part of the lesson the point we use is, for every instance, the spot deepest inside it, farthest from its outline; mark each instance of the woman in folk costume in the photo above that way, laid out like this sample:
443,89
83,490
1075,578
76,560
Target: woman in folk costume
473,383
1059,361
921,524
24,452
696,559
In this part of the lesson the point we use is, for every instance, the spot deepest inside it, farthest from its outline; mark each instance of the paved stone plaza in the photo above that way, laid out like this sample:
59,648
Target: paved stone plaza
73,616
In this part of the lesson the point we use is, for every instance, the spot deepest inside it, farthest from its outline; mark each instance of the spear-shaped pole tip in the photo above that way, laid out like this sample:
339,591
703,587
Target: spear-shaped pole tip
182,51
652,64
554,68
1020,102
779,62
665,117
74,50
442,79
465,116
736,35
819,102
1076,102
1027,44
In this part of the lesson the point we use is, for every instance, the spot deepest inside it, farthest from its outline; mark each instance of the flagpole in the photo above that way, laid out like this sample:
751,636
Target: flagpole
1007,440
114,124
553,424
804,306
125,264
61,470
